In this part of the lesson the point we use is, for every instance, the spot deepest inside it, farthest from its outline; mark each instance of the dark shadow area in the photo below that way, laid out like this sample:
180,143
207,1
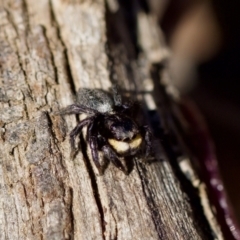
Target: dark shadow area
173,149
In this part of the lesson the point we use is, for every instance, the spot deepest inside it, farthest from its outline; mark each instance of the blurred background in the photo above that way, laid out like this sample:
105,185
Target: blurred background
204,37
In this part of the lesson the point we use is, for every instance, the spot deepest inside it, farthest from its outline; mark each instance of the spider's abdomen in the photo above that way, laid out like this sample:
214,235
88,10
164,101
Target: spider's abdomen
95,99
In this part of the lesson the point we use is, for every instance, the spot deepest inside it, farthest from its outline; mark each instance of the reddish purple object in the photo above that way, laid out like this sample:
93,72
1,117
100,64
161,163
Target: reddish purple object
201,144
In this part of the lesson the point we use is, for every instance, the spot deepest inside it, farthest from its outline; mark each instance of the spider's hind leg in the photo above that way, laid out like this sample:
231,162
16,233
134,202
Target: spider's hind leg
116,96
76,109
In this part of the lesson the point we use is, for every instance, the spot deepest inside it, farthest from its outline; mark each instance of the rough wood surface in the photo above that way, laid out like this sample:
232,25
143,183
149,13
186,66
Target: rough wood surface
49,49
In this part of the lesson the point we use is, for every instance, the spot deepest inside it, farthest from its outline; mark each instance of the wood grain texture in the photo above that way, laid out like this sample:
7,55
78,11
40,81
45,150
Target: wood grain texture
48,50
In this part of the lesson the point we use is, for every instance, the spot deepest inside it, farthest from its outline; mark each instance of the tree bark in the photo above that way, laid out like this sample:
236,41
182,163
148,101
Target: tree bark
48,50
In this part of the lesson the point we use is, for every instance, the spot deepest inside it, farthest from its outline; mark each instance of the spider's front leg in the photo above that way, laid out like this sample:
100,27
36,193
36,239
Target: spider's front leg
75,132
93,143
110,154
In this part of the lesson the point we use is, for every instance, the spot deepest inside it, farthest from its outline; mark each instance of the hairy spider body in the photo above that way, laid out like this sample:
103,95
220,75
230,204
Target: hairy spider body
109,129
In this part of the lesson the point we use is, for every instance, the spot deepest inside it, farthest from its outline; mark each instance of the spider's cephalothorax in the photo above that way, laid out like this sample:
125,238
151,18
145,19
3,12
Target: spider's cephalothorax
109,128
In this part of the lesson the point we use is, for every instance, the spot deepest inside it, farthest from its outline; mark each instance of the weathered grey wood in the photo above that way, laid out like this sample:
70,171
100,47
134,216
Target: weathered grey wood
49,49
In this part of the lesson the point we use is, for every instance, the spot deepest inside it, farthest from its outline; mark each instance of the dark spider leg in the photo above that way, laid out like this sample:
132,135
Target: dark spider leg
123,108
76,109
92,139
119,105
113,157
75,132
147,137
116,96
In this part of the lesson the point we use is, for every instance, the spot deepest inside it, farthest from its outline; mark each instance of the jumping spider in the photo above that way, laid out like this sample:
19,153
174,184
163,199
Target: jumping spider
109,128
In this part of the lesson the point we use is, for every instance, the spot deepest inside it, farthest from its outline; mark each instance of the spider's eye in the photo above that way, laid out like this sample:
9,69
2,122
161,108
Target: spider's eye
122,128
